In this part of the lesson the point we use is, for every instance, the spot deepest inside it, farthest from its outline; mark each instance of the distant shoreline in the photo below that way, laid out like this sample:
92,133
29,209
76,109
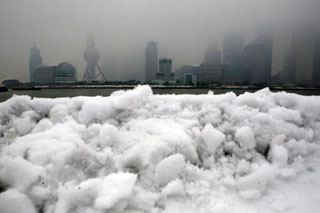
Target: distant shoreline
173,87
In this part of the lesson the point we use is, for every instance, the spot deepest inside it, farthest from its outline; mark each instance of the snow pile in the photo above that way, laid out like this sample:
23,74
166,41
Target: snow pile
139,152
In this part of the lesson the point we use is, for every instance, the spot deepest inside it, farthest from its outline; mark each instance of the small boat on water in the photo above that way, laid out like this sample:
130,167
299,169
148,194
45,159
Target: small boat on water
3,89
26,88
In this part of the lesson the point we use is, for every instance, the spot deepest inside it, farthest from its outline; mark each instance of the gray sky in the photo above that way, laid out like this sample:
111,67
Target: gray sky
183,29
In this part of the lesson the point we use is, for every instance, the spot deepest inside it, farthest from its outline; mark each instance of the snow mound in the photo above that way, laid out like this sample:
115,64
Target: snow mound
169,168
245,137
14,201
212,137
138,152
114,188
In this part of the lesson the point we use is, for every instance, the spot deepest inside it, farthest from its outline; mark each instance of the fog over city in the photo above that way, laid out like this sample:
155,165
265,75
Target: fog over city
162,106
121,28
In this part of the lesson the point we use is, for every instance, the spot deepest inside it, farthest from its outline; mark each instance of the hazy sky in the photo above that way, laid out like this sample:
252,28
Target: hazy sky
183,29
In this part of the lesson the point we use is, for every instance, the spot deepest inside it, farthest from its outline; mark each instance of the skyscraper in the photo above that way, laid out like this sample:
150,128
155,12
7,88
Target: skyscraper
255,63
35,60
151,61
280,46
302,64
232,49
165,68
316,63
289,64
267,41
212,55
304,51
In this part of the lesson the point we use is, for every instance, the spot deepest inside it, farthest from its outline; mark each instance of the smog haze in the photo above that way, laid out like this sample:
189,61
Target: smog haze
182,28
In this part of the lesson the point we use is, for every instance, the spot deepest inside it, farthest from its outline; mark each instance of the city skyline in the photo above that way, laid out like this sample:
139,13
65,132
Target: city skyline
122,28
253,61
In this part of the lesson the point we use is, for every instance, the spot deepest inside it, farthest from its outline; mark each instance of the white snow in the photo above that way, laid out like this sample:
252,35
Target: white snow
138,152
279,155
169,168
245,136
174,188
12,201
114,188
212,137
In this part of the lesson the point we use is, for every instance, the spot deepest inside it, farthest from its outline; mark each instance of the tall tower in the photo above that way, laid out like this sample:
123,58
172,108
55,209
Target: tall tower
232,49
35,60
91,56
151,61
289,65
212,55
302,55
267,41
255,62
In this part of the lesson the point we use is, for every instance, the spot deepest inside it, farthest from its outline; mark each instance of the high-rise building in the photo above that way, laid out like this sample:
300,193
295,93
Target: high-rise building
203,74
151,61
288,72
233,74
210,74
165,68
212,55
232,49
267,41
304,52
316,63
255,63
35,60
302,59
280,46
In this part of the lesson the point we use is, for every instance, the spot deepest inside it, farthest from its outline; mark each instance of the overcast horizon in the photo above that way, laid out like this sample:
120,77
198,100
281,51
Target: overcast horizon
183,30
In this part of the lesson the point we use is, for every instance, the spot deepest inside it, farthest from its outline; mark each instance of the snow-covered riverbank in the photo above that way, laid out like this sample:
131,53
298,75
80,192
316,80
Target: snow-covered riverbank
139,152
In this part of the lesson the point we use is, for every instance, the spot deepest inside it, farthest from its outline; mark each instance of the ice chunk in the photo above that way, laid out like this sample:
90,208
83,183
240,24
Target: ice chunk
243,167
245,137
108,135
23,125
279,155
286,114
59,113
169,168
42,126
12,201
114,188
135,160
19,173
174,188
253,185
212,137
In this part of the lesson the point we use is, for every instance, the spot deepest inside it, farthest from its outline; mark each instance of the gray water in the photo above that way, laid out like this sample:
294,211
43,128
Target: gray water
57,93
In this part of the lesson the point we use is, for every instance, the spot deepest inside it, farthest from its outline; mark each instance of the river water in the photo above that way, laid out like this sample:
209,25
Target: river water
56,93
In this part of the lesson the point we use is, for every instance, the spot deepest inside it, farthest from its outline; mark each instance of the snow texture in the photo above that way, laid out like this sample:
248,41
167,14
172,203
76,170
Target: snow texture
138,152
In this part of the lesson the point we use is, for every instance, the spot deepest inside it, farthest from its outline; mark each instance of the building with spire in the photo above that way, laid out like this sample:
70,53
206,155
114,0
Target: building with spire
91,56
35,60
